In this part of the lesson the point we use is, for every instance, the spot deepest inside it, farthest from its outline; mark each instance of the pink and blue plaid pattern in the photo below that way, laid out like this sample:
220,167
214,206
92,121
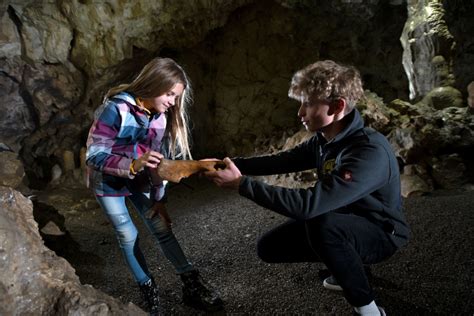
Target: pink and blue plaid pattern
120,133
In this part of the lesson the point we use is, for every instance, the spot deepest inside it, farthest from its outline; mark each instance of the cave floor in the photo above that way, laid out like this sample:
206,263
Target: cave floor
218,230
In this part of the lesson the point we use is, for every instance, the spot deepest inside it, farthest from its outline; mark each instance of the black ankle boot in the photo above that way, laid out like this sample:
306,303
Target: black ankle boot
150,295
198,294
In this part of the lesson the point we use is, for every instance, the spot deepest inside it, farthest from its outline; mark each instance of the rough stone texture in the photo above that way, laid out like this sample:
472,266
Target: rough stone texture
413,185
11,169
415,181
34,280
470,95
228,46
18,120
255,55
428,47
54,91
449,171
10,45
58,58
302,179
376,114
443,97
107,33
251,101
421,135
45,32
459,18
435,147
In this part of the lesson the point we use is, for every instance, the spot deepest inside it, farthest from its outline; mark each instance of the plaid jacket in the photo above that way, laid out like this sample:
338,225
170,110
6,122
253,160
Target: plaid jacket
120,133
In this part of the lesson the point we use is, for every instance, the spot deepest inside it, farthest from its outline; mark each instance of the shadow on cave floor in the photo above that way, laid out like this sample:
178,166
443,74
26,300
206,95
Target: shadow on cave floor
218,229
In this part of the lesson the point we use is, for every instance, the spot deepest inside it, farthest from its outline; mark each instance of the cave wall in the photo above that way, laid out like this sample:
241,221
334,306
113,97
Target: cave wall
459,17
247,66
57,59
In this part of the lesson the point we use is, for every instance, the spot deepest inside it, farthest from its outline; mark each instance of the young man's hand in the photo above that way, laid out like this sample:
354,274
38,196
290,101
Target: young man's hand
227,178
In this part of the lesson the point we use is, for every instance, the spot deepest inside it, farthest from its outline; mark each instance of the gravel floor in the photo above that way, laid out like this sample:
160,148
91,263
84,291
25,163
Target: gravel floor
218,230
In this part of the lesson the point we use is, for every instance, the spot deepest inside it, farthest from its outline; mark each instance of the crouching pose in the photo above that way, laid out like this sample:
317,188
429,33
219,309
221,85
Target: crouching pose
353,215
137,122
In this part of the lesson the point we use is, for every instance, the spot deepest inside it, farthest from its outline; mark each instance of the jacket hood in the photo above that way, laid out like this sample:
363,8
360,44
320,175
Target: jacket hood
125,96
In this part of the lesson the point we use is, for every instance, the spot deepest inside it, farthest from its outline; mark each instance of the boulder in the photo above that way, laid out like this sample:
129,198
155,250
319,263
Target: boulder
35,281
11,169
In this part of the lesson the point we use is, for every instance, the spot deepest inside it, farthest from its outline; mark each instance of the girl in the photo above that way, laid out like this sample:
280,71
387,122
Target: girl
138,125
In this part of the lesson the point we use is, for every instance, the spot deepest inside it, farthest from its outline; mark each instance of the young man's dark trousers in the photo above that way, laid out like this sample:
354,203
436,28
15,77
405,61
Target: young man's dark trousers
343,242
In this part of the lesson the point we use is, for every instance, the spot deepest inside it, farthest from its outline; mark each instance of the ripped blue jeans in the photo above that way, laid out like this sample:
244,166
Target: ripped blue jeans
118,214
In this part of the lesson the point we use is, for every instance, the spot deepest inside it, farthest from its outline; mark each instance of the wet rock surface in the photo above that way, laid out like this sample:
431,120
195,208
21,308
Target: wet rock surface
218,229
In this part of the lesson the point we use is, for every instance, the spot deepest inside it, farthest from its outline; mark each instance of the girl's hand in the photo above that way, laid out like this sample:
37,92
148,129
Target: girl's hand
150,159
227,178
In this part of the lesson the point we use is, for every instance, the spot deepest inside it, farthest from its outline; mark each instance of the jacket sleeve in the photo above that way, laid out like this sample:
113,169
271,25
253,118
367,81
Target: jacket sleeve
299,158
363,169
158,192
101,139
159,186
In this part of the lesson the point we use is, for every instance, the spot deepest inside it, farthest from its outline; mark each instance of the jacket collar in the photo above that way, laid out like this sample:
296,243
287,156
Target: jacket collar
354,123
130,99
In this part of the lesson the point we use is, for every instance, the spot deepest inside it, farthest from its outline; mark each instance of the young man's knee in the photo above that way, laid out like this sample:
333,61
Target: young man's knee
265,250
323,224
324,231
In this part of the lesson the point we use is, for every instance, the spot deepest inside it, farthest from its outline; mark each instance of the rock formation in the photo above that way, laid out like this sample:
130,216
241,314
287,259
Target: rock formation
428,47
57,59
34,280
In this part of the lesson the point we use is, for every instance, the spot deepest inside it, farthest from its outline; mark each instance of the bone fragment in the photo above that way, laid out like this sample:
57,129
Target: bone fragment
175,170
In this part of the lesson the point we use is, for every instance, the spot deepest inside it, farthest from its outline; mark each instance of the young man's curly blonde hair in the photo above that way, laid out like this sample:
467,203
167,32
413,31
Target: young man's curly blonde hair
327,80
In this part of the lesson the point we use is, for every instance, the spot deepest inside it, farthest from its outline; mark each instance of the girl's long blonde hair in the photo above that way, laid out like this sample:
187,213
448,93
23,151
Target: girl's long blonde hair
155,79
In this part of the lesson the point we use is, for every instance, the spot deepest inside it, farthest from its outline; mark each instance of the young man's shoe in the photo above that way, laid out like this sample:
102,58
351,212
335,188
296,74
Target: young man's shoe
150,295
381,311
198,294
330,283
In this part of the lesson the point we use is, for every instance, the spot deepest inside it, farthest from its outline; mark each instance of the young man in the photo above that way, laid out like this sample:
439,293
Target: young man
353,215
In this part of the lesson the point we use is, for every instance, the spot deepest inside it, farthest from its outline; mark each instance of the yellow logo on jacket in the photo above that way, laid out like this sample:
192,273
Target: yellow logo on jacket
328,166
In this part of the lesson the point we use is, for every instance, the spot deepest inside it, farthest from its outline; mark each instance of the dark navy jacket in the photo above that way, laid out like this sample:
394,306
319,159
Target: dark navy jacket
358,173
